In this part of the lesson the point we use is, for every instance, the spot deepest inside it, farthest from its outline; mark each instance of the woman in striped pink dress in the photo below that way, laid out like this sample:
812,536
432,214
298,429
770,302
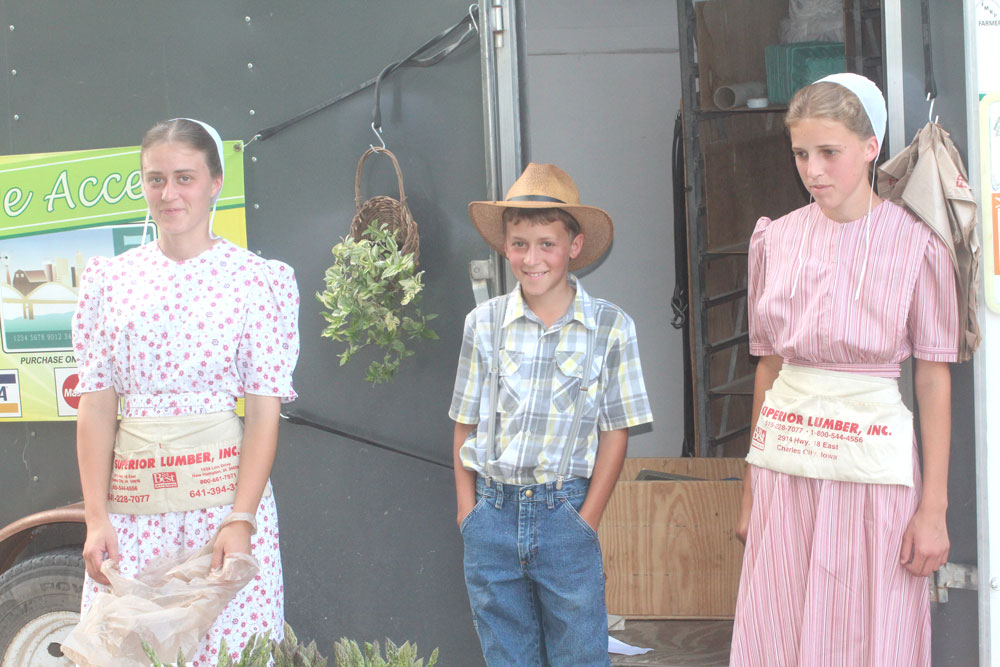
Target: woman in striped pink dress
844,290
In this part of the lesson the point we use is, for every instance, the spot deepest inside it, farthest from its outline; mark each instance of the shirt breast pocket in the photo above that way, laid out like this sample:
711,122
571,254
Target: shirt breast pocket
567,381
511,380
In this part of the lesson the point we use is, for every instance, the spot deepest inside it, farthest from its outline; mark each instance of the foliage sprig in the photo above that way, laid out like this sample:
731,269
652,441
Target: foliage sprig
372,290
261,649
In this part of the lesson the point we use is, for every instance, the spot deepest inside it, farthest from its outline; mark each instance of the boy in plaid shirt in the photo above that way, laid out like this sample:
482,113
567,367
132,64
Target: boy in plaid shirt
548,384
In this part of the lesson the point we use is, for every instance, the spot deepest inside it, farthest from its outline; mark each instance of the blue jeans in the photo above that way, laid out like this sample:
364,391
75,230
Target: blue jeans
535,577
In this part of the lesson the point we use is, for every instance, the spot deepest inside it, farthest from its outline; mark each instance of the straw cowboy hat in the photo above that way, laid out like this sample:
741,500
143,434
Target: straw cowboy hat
546,186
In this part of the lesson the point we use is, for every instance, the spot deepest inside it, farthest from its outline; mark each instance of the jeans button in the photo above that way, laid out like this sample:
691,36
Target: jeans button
529,493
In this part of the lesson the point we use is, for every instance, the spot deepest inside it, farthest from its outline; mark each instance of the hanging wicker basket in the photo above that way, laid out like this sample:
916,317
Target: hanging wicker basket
391,213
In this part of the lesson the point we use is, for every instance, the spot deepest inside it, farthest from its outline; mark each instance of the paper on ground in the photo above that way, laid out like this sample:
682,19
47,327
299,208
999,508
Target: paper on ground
621,648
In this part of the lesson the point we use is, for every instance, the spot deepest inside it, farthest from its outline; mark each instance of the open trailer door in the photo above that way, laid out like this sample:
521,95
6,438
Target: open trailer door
982,36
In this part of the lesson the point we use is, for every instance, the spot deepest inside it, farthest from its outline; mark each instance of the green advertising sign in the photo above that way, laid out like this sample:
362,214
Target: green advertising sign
58,211
57,191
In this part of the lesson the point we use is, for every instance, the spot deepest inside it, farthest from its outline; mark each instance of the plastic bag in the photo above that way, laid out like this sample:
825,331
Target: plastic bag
813,20
170,604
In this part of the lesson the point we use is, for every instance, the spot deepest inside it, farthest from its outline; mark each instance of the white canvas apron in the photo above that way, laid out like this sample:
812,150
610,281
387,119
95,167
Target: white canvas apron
175,464
832,425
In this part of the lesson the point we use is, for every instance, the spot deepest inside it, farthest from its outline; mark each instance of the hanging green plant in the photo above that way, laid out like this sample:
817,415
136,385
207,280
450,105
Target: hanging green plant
372,290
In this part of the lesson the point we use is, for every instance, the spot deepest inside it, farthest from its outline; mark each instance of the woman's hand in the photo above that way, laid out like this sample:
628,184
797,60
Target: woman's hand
101,544
233,538
925,543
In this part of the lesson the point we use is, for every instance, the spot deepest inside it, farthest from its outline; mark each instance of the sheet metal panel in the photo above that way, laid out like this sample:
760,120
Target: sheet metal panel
368,537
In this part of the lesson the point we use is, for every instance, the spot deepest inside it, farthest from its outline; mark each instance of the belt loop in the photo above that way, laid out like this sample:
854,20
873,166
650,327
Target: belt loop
550,495
498,503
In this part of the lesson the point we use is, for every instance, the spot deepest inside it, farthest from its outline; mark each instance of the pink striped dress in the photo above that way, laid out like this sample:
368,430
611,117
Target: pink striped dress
821,581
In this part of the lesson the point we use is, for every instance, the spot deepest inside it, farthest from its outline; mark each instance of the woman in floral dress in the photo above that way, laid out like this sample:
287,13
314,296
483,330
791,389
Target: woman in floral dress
178,329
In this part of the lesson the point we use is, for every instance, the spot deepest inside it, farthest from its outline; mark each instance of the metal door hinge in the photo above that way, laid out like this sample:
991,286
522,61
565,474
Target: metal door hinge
481,274
496,23
953,575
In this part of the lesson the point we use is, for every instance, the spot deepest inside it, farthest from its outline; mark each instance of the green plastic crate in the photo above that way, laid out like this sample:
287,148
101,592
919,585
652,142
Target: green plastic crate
792,66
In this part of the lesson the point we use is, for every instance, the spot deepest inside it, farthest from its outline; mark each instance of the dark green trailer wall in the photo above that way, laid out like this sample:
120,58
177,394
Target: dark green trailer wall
369,541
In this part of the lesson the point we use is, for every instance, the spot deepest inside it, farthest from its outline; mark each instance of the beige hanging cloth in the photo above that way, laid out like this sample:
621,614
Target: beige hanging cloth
929,179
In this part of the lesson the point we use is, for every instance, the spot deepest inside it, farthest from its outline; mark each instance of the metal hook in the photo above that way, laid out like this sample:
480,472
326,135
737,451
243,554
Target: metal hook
252,139
473,18
931,118
380,139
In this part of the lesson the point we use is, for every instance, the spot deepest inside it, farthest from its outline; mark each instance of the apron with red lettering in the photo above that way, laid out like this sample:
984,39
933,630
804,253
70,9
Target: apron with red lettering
175,464
832,425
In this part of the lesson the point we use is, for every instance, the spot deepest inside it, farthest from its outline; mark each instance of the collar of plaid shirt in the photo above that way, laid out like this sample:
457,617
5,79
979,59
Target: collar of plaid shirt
581,309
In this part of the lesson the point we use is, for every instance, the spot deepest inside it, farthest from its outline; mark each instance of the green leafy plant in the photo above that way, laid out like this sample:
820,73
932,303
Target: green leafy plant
256,653
289,652
371,294
348,654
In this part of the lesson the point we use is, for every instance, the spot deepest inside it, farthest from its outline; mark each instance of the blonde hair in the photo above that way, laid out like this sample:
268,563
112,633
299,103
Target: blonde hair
833,101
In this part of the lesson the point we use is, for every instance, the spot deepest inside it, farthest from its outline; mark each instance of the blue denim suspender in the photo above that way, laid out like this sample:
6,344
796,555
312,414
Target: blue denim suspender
494,380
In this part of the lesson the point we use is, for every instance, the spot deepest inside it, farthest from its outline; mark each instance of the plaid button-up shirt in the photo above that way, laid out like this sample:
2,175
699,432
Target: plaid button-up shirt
540,373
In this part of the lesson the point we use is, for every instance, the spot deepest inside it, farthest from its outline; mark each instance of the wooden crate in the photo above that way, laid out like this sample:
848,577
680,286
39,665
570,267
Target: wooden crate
670,547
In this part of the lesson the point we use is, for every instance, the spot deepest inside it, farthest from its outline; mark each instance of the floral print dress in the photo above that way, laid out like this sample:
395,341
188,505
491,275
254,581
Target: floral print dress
186,338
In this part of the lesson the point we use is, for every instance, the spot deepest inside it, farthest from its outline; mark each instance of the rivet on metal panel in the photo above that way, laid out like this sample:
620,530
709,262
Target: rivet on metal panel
253,159
252,112
256,206
12,28
247,19
249,65
17,116
13,72
34,478
32,434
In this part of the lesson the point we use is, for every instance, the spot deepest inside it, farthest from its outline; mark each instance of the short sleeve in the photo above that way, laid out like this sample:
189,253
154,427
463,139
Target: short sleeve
269,346
469,377
91,344
624,402
760,344
933,320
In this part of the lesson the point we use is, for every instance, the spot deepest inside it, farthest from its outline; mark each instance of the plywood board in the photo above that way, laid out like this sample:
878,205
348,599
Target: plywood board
703,468
670,548
749,172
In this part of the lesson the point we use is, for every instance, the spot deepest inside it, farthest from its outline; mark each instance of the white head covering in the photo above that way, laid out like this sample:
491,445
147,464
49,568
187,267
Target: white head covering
222,165
870,96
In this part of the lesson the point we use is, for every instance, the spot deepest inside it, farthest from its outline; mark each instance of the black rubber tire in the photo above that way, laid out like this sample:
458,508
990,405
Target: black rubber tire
48,582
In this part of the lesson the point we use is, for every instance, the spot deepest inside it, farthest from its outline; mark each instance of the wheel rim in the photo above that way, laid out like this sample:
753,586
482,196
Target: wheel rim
37,643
